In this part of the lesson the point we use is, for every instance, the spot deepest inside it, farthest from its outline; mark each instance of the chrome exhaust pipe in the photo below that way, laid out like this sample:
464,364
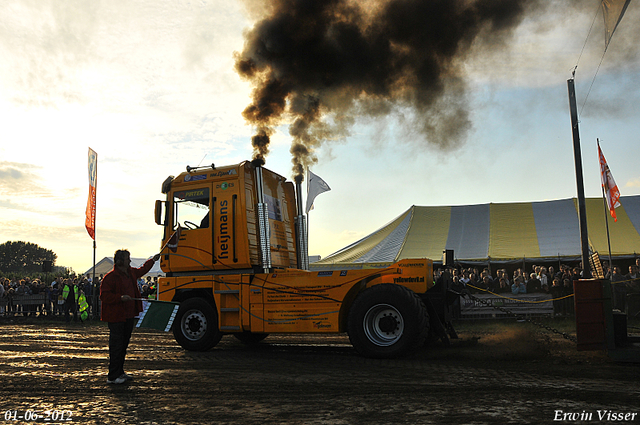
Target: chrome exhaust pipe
263,223
302,242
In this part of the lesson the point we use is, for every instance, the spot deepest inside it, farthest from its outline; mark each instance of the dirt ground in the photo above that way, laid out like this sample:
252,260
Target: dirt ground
512,374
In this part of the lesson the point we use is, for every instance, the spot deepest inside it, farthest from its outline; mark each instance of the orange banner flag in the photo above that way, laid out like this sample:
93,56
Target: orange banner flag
90,221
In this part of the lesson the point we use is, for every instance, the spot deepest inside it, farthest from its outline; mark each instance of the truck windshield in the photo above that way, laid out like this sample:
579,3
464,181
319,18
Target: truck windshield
191,208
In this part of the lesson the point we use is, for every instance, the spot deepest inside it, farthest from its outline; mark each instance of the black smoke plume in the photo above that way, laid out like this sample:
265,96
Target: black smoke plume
316,64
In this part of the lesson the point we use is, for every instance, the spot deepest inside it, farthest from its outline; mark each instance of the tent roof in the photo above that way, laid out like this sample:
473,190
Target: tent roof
498,232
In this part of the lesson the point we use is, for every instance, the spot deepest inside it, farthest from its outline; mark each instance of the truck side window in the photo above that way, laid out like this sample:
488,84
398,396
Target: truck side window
192,208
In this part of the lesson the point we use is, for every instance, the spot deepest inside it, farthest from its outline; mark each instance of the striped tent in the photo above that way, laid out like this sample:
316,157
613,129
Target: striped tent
530,231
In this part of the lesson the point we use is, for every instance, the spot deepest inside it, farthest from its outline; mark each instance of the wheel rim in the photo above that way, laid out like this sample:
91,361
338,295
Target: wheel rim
193,325
383,324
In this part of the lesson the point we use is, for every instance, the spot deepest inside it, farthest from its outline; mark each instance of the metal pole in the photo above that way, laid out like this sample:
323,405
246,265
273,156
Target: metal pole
606,220
263,223
303,244
94,295
606,214
582,209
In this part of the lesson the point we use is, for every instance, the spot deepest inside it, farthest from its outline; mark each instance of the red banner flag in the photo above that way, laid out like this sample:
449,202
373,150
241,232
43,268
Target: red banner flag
610,187
172,243
90,221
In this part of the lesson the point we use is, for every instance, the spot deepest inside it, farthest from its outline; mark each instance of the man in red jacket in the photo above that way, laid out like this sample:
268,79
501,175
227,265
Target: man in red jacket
121,303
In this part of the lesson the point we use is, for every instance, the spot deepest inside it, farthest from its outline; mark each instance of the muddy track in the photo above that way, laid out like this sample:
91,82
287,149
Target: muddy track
305,380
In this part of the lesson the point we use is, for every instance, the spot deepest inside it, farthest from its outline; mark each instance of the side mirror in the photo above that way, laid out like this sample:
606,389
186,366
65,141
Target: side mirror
159,212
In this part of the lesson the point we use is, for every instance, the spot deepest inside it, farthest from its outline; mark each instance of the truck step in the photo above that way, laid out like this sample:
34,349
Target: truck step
230,328
229,309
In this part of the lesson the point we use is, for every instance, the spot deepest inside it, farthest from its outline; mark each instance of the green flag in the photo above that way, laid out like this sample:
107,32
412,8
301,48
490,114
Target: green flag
158,315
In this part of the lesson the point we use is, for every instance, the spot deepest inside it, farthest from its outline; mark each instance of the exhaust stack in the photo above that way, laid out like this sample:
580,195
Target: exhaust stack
301,229
263,223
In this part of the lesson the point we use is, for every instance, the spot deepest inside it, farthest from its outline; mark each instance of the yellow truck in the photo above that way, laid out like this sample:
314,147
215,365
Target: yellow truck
235,258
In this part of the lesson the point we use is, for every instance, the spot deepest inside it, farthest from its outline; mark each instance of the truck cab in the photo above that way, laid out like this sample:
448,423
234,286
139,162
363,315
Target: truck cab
217,212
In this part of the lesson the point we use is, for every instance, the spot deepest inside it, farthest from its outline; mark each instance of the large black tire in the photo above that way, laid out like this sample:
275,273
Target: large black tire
196,325
250,338
387,321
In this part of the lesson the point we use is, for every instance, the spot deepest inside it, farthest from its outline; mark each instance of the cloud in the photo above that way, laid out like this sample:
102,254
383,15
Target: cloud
351,235
10,174
21,229
126,55
72,243
48,45
547,46
633,183
26,190
14,181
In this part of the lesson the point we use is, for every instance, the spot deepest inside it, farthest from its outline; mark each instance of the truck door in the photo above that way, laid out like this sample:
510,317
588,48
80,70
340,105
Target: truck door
227,248
192,212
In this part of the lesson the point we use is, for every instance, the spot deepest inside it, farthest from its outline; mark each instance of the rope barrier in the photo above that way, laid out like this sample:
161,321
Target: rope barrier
541,301
527,319
625,281
516,299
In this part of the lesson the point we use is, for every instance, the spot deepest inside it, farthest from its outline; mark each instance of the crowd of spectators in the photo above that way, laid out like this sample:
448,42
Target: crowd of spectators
51,299
624,284
34,297
558,284
540,280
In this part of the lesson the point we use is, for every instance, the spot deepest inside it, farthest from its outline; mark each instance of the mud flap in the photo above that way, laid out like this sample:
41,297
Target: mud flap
435,324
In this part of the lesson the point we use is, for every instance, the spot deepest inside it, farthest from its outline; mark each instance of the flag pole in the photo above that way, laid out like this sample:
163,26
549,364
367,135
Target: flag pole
606,217
307,217
94,287
582,209
94,291
606,220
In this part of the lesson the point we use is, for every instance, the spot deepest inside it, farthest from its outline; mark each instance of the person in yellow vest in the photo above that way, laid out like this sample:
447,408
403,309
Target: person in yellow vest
83,306
70,293
152,293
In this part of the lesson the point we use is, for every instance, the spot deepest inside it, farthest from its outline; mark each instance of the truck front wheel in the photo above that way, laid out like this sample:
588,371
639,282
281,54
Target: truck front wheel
387,321
196,325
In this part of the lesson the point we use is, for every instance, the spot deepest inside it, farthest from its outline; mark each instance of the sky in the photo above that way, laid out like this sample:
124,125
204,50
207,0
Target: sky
151,87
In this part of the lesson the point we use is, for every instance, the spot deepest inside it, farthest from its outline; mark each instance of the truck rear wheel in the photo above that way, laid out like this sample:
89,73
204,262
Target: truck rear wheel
196,325
387,321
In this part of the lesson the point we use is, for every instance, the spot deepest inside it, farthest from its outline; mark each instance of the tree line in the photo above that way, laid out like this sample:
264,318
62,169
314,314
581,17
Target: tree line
24,257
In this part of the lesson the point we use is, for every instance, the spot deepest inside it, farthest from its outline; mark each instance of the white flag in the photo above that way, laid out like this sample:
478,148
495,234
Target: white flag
315,186
613,10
